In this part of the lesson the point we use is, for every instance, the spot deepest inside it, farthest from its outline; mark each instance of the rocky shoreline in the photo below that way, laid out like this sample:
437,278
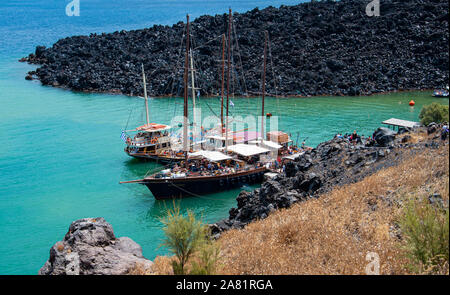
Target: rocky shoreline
333,163
318,48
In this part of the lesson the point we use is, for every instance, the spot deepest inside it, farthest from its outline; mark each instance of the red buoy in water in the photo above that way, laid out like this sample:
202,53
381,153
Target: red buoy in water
412,103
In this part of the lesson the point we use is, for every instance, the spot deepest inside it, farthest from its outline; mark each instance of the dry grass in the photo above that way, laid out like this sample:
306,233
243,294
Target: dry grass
333,234
163,265
139,270
414,137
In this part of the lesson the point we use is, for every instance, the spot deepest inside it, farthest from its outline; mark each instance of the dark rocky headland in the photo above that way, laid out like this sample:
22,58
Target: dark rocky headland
318,48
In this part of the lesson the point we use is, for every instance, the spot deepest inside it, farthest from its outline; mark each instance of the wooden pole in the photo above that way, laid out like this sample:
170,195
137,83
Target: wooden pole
223,81
193,95
145,94
264,85
228,79
186,73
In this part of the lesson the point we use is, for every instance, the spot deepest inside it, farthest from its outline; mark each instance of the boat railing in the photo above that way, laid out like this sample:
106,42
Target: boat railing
183,173
148,142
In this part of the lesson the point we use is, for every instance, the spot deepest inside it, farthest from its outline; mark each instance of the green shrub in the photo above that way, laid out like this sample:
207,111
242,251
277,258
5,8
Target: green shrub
426,233
434,112
207,259
185,236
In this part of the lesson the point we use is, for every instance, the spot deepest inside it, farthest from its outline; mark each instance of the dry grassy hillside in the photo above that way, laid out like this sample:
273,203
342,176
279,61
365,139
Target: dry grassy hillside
334,233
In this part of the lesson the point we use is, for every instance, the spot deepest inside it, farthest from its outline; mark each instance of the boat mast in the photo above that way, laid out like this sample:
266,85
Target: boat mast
228,79
223,81
193,93
264,85
145,94
186,73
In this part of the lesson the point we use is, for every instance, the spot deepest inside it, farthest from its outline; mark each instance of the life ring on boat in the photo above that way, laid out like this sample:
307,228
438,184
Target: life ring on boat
268,115
154,140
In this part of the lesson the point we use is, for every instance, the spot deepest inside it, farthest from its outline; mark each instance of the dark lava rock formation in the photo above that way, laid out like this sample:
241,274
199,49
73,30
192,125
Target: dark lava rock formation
317,48
333,163
90,248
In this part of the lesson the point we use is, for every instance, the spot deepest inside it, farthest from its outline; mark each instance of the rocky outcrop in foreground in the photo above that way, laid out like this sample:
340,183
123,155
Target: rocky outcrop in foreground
333,163
318,48
90,248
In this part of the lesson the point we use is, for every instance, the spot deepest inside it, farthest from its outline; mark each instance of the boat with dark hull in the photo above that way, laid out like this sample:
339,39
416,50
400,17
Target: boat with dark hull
209,172
172,188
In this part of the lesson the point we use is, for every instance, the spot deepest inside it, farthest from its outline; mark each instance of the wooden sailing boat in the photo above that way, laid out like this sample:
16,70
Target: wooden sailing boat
205,172
152,140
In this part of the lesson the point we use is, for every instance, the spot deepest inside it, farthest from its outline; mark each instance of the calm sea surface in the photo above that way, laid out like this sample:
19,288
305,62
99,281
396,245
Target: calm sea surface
61,156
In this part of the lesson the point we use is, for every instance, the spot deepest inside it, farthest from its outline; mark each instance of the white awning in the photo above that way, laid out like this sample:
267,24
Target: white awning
152,127
247,150
401,123
213,156
266,143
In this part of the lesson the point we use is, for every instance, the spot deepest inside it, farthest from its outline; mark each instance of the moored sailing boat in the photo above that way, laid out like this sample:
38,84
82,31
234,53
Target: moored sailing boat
206,171
152,140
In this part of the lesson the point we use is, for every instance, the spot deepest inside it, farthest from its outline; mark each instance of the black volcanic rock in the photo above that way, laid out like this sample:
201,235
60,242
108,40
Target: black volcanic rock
318,48
384,136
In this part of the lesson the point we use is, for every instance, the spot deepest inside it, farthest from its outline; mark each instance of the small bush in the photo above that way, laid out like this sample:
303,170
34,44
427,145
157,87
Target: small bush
184,236
207,259
434,112
189,238
426,232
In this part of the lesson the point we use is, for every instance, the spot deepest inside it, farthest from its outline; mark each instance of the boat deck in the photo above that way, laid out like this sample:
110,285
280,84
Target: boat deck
230,172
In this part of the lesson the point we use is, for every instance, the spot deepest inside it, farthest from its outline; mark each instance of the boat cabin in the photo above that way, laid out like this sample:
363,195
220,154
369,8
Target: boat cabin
279,137
149,139
217,142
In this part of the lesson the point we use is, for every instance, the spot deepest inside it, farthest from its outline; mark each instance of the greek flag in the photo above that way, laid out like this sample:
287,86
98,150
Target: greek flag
231,103
123,136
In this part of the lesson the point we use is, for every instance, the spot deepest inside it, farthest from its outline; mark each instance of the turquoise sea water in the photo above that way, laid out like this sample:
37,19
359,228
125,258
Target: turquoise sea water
61,156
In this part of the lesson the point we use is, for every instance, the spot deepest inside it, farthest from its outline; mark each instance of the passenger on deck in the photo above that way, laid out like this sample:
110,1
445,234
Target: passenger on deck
354,137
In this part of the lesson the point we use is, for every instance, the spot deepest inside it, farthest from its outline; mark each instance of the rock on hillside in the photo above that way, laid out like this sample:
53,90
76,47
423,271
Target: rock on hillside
90,248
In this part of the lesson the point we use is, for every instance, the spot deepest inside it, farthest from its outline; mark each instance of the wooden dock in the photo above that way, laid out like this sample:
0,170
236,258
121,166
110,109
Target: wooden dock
401,123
